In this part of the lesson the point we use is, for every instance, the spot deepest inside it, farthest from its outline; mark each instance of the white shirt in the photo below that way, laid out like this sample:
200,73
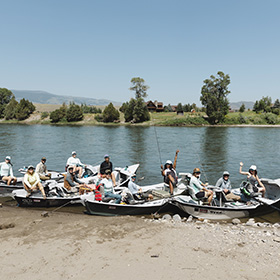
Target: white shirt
74,162
6,169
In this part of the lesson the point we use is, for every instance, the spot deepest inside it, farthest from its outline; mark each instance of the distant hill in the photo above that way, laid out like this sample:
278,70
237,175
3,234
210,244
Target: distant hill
236,105
44,97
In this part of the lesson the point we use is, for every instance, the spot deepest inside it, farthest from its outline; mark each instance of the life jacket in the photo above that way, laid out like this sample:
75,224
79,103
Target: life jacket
97,194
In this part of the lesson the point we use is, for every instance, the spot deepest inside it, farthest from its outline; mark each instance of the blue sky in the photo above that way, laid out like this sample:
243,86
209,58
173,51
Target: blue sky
94,48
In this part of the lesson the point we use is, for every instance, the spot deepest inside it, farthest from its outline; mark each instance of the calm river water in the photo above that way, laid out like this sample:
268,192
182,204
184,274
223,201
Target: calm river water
213,149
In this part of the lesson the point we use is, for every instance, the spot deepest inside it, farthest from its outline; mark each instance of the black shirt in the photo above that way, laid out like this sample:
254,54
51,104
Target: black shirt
106,165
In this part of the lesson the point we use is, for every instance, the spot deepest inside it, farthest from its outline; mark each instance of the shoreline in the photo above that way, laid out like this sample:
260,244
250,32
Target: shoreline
67,246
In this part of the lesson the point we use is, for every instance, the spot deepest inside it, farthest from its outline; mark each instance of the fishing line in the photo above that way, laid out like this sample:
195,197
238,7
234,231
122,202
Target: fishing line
158,146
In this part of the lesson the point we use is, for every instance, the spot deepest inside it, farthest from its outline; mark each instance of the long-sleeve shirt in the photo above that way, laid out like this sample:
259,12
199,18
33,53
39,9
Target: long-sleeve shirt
108,185
41,169
133,187
195,184
72,179
31,179
6,169
223,184
105,166
74,162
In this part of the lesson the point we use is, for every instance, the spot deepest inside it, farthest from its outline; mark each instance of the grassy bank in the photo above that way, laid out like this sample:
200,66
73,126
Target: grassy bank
159,119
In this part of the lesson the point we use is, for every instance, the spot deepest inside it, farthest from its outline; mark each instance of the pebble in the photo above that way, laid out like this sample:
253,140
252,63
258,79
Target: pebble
177,218
236,221
45,214
190,218
250,222
166,217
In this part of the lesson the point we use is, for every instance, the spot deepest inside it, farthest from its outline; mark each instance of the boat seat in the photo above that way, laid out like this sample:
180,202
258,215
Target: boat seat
191,193
221,197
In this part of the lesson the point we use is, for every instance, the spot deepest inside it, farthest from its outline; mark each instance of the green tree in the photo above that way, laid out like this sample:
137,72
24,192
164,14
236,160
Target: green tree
74,113
242,108
140,111
24,109
179,107
110,113
214,97
10,110
5,97
58,114
139,87
263,105
168,108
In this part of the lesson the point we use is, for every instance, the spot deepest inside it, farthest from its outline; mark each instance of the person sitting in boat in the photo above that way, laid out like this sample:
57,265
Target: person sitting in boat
76,163
253,178
71,182
199,187
107,183
42,171
31,182
6,171
224,184
169,173
107,165
136,191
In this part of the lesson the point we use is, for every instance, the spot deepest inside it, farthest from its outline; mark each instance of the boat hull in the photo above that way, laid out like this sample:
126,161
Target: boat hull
224,213
111,209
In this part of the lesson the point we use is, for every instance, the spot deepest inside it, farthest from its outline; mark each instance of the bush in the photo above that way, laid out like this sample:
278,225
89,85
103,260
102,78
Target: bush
74,113
90,109
10,110
270,118
185,121
44,115
24,109
98,117
58,114
110,114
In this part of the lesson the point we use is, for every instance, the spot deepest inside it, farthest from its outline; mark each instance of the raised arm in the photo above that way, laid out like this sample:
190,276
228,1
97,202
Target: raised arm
175,159
242,172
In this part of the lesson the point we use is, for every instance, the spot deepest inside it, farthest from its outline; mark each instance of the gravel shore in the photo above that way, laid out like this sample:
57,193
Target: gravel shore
74,246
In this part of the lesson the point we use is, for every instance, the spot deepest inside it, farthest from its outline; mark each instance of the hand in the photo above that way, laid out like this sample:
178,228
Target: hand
241,163
177,152
161,166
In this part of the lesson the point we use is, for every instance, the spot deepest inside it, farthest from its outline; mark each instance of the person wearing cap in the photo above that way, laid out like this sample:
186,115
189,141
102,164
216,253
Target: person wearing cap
199,187
71,182
107,165
76,163
136,191
107,183
42,171
253,178
224,184
31,182
6,171
169,173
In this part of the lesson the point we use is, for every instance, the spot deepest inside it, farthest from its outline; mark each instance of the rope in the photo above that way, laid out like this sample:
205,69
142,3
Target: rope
61,206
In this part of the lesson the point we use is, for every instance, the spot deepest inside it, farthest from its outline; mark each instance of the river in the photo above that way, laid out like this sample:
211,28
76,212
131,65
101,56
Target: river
213,149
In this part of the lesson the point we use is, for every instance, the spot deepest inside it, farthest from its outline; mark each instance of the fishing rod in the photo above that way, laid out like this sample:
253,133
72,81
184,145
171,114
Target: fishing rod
158,146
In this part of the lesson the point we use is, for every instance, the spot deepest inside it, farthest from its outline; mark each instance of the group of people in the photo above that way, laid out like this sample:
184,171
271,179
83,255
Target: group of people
34,176
200,189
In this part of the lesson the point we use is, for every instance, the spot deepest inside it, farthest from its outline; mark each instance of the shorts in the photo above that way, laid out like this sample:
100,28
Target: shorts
200,194
140,196
1,177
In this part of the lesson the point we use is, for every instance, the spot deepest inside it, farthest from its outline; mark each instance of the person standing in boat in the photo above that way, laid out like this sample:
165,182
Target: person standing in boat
76,163
107,165
253,178
199,187
42,171
107,183
31,182
169,173
225,184
6,171
136,191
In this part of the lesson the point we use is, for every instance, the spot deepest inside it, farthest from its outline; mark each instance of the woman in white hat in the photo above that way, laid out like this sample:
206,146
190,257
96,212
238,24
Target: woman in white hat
169,173
253,178
6,171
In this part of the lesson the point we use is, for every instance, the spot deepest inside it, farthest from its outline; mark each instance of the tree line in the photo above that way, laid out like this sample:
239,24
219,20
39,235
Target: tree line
11,109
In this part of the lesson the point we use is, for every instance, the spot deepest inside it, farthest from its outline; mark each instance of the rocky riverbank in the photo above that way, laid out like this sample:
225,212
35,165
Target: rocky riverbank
72,246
